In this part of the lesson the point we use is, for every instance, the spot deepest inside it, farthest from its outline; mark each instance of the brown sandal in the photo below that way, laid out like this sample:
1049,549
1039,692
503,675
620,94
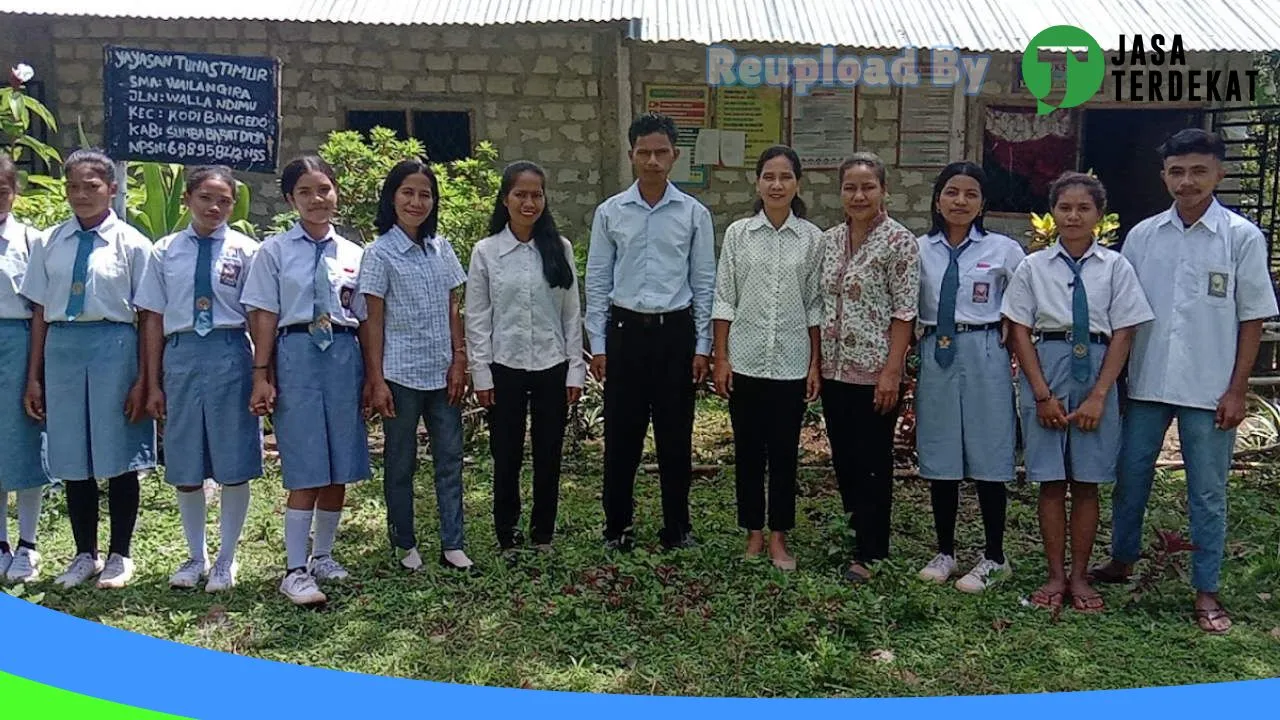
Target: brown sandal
1208,618
1042,598
1088,604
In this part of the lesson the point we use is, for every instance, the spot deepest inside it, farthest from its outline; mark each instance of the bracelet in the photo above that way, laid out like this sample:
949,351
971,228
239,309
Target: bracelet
1046,398
261,367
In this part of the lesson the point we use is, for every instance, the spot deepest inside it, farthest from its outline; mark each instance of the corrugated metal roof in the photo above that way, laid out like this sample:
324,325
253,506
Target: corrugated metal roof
976,25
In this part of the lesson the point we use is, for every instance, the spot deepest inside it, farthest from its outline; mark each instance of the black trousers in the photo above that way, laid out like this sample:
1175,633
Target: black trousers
766,416
862,454
82,509
518,394
649,375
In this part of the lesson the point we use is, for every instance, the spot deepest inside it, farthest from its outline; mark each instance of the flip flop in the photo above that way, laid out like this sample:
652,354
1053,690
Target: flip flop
1042,598
855,577
1208,618
1088,604
1102,574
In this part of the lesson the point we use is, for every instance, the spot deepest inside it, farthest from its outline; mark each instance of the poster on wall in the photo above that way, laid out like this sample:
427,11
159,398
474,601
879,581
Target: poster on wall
193,109
749,120
926,118
823,131
690,107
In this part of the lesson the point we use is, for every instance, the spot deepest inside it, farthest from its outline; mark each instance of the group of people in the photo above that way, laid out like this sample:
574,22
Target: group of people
209,331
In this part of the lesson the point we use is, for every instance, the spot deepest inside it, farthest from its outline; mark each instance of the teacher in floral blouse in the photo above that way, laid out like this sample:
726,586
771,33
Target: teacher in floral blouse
871,287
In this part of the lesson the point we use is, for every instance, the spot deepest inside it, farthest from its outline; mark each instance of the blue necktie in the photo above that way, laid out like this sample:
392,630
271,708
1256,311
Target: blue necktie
204,286
945,352
80,274
1080,367
321,325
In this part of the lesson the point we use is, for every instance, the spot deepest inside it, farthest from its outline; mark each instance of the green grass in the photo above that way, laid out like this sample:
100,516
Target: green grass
701,622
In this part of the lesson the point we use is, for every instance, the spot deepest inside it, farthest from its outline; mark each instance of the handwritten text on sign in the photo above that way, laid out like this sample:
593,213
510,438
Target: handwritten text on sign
192,109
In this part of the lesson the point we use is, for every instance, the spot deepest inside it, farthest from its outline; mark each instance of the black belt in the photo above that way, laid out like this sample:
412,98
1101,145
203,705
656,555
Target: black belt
1068,336
964,327
649,319
306,328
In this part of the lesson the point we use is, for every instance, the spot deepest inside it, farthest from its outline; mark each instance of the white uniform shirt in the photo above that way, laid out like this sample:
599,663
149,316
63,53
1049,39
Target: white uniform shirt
116,267
986,267
15,242
1202,282
1039,296
515,318
282,275
169,285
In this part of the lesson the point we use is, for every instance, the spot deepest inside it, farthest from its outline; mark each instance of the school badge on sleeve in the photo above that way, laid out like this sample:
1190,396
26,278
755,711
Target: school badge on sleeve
1218,284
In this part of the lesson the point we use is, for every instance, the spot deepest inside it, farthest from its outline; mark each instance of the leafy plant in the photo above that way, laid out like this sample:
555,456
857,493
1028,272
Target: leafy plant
1044,230
43,203
156,206
16,111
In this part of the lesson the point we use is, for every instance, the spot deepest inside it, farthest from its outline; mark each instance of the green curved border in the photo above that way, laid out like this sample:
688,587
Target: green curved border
28,700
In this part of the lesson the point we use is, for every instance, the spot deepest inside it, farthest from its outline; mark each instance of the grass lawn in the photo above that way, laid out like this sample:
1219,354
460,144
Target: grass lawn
703,621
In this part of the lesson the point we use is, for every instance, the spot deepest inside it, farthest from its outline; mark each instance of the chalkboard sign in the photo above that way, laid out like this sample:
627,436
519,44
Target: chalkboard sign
192,109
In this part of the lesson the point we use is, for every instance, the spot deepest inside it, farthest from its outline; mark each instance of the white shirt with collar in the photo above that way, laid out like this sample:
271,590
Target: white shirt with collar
282,276
769,287
986,267
513,315
16,240
117,265
169,285
1039,296
1202,282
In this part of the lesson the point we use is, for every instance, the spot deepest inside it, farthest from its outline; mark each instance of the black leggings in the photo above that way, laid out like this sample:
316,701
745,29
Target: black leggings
992,500
122,503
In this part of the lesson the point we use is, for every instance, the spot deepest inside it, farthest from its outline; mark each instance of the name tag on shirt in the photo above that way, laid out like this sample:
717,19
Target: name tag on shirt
346,294
981,292
1218,284
229,271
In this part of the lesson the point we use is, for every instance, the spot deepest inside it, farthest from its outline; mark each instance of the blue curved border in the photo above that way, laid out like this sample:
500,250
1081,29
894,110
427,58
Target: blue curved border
102,662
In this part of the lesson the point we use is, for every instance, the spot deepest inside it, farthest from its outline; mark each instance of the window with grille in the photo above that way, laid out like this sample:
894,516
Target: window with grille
446,134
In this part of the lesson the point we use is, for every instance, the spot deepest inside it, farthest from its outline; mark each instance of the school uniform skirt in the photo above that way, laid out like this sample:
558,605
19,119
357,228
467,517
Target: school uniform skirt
89,368
209,431
1070,454
318,420
22,467
965,414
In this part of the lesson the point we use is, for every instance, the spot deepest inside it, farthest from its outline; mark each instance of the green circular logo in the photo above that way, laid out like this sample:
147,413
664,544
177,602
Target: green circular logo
1083,76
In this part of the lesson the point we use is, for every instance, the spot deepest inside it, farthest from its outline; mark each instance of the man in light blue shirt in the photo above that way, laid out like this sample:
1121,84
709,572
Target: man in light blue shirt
650,284
1204,270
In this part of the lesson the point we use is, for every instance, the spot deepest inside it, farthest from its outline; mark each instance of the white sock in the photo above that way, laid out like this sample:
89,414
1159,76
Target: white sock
297,532
235,506
326,531
191,507
4,517
29,513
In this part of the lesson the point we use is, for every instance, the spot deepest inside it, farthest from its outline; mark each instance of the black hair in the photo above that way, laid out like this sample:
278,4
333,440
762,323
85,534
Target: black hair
97,161
650,123
300,166
867,159
1193,141
1078,179
797,205
386,217
222,173
960,167
8,171
546,238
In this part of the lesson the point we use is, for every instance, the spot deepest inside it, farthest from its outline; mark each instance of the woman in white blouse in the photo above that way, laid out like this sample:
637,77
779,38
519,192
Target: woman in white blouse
524,341
767,312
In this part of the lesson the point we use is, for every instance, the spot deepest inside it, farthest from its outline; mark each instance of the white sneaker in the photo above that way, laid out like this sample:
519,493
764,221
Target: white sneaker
83,567
326,569
25,567
940,569
222,577
301,588
980,577
189,575
117,573
6,558
411,560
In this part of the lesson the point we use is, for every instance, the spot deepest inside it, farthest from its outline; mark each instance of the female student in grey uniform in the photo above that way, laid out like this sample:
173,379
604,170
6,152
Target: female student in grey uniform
415,357
193,327
1081,303
22,471
524,341
766,318
87,376
964,396
304,309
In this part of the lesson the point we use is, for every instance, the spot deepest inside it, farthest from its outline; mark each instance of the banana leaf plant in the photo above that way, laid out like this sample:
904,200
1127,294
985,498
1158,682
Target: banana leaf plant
16,111
156,206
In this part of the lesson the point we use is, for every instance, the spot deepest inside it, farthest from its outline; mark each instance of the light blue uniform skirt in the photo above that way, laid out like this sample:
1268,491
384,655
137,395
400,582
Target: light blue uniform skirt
209,431
1072,454
21,467
88,370
965,414
318,420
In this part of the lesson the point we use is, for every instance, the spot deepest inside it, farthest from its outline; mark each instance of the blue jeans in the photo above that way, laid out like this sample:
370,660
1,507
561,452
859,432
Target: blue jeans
1206,450
400,463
